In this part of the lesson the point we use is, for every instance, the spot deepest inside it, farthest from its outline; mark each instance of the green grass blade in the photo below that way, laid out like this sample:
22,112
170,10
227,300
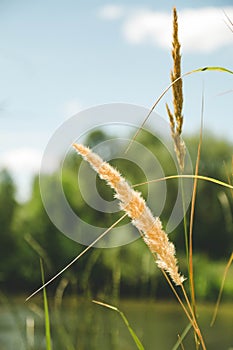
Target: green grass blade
131,331
46,311
215,68
133,334
183,335
200,177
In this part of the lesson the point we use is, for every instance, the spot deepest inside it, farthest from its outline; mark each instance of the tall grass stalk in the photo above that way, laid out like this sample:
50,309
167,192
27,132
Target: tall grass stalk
151,228
191,272
176,118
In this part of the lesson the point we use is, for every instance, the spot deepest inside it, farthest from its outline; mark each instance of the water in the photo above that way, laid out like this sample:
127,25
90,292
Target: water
78,324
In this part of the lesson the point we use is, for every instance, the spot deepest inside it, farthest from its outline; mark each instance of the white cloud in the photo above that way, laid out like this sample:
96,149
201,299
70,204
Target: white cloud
111,12
200,29
204,30
23,164
148,26
22,158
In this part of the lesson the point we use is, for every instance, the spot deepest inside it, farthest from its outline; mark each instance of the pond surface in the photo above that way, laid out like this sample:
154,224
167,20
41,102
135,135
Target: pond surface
78,324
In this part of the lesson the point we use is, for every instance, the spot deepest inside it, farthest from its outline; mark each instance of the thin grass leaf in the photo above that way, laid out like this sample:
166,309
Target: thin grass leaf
215,68
182,336
221,290
200,177
131,331
46,311
76,258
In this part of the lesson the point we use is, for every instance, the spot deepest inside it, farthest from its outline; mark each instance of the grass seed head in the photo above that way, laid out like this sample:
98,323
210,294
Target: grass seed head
176,118
133,204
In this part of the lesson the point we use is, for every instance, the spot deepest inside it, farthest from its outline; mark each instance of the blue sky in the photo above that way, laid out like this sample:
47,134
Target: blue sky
59,57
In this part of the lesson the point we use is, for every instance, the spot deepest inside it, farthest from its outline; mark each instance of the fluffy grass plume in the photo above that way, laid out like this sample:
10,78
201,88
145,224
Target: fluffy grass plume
135,207
176,118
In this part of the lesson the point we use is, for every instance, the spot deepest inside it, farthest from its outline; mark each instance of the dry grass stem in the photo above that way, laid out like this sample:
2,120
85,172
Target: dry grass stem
176,118
189,312
135,207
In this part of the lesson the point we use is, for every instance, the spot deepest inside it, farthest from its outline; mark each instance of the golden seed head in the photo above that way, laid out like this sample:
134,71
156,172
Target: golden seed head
176,118
135,207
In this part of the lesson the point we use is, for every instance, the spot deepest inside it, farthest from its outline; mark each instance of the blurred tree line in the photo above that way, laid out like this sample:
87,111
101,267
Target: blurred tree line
27,232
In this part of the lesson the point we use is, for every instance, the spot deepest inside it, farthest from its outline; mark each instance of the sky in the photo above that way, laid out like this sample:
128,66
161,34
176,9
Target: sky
58,58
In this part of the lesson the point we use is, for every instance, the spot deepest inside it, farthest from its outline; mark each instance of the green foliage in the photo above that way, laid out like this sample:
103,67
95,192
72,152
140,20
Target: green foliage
8,207
208,278
27,232
7,201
